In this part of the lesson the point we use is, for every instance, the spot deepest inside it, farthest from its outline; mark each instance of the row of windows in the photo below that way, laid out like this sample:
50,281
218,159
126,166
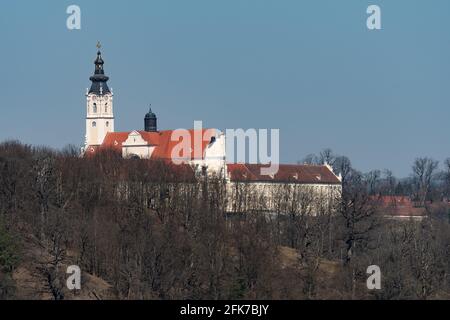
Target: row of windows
95,110
94,124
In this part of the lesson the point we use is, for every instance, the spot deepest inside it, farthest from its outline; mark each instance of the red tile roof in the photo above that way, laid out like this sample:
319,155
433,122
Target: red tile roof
114,140
302,174
399,206
162,141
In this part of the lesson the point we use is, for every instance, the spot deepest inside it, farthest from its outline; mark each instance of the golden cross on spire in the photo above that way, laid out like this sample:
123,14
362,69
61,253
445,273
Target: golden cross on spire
99,45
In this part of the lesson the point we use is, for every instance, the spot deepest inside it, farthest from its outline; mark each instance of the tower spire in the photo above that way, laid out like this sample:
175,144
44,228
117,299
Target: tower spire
99,80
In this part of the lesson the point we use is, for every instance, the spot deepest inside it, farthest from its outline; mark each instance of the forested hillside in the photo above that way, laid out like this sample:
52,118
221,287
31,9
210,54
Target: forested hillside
142,229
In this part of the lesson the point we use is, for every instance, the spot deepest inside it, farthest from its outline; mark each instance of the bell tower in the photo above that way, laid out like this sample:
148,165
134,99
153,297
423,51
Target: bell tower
99,112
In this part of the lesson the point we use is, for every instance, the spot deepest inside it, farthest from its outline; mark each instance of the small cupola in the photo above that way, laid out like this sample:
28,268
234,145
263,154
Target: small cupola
150,122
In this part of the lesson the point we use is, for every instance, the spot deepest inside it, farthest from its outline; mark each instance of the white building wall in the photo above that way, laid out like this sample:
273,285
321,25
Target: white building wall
136,146
214,157
99,118
281,197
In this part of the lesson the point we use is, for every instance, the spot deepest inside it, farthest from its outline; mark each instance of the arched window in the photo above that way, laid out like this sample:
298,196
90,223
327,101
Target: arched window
95,108
94,124
107,123
106,108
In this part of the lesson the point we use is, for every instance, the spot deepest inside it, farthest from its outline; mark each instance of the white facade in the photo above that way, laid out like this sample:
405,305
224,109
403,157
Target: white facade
136,146
214,159
282,198
99,117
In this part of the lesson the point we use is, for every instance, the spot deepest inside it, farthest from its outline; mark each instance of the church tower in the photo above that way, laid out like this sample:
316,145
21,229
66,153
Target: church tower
100,113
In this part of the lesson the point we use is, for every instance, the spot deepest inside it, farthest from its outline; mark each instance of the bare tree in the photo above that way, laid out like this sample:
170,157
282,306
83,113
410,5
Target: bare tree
358,213
446,178
327,156
343,166
389,183
373,181
423,174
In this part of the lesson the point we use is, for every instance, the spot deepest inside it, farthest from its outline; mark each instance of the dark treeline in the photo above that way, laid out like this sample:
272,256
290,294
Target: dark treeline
152,231
428,181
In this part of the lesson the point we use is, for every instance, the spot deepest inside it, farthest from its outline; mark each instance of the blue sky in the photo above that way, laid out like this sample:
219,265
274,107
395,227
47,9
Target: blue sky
310,68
